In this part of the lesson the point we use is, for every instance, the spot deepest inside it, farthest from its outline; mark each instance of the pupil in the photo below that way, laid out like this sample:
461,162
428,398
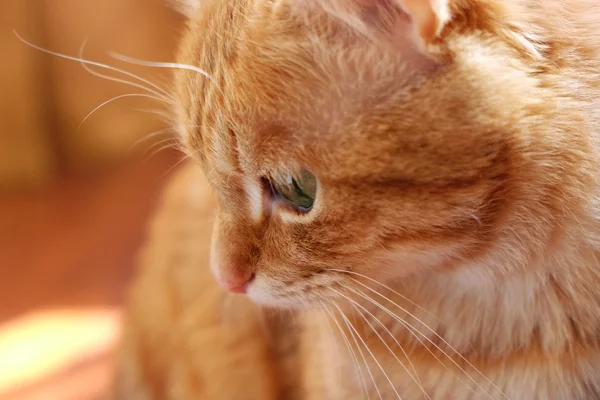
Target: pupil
297,187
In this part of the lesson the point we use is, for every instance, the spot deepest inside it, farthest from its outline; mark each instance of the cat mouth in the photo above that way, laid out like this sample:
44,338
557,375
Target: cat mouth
271,292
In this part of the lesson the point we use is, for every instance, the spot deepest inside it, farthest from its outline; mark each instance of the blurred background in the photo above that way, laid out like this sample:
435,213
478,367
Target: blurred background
75,197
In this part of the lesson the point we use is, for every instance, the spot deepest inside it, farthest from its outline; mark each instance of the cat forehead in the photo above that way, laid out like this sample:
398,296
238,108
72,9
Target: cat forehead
305,88
280,88
294,60
261,41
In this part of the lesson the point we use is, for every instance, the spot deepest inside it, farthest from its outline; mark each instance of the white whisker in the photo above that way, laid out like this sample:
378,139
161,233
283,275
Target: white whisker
149,96
94,63
353,329
434,332
164,98
169,65
154,88
332,336
411,328
391,290
159,146
163,115
413,316
415,377
151,135
354,303
177,164
355,361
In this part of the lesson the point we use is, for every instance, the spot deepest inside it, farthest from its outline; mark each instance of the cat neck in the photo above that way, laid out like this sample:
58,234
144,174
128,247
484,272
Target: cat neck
551,304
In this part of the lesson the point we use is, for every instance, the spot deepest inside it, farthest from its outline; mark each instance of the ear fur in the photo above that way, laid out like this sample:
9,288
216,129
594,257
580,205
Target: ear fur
426,18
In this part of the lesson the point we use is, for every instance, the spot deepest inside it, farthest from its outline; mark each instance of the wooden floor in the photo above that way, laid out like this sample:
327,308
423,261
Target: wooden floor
66,258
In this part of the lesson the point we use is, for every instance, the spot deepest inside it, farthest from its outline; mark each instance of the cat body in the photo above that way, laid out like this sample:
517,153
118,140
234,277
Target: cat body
451,246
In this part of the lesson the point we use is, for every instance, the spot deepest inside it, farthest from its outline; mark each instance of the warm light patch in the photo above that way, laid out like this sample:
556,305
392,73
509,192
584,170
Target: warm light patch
43,343
255,199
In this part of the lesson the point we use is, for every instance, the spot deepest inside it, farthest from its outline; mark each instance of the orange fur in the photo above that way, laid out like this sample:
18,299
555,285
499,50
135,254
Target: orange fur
456,148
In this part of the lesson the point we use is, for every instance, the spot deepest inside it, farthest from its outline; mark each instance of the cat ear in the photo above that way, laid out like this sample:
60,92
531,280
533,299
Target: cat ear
426,18
186,7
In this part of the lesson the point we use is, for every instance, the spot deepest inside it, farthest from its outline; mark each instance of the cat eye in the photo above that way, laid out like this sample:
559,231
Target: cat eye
300,192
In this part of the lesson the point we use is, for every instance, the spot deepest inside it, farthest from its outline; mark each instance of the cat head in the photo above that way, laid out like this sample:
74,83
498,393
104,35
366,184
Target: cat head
377,138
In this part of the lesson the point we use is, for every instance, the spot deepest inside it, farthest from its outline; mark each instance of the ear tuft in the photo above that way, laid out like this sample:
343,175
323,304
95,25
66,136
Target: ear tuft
186,7
428,16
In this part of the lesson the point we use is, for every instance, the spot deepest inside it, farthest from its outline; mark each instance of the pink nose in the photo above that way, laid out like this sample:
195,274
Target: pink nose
236,286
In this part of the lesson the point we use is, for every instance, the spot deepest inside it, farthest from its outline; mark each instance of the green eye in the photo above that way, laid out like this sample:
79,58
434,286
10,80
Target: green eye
299,191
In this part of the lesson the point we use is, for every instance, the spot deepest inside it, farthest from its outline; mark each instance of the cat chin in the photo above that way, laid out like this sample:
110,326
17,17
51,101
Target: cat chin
281,302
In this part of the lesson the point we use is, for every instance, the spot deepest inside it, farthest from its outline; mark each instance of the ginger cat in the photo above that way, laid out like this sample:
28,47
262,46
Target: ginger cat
410,187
